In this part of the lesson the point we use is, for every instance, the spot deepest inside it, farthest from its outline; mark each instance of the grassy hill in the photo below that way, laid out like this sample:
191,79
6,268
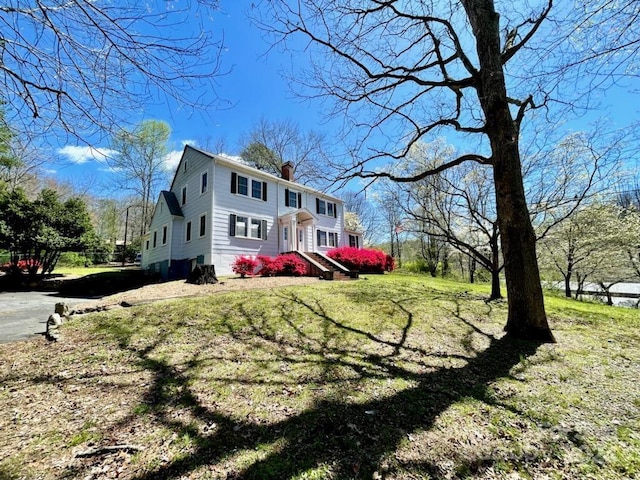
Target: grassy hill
387,377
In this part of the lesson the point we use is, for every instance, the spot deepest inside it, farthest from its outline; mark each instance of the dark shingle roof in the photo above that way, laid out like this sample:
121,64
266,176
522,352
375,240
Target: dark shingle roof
172,203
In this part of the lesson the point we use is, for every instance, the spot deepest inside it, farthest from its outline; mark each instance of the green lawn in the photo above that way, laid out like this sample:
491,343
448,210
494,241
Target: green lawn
387,377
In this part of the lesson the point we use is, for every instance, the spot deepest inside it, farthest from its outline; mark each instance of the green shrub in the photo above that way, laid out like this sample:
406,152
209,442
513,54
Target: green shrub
416,266
73,259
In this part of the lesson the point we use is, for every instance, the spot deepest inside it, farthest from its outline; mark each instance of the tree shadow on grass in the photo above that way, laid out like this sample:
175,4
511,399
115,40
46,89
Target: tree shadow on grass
103,283
353,438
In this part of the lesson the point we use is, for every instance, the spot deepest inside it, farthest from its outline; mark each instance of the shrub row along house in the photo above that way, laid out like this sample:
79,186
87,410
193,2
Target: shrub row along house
218,209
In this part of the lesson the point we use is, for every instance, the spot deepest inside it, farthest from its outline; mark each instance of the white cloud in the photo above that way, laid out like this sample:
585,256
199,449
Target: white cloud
172,160
85,154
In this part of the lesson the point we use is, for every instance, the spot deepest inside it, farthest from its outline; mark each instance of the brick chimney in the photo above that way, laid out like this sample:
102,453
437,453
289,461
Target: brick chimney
287,171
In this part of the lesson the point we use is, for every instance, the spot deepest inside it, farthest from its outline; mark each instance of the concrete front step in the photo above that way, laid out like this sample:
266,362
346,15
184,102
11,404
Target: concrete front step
338,271
322,266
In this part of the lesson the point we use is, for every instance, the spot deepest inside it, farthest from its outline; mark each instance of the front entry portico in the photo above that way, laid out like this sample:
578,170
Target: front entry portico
297,231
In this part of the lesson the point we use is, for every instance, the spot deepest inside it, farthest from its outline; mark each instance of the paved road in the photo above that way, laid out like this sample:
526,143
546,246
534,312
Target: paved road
24,314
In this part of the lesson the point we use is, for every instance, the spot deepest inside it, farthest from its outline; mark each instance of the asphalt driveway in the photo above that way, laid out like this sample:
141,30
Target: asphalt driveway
24,314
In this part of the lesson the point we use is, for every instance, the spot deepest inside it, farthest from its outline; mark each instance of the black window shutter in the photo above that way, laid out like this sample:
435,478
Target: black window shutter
234,182
318,238
335,211
264,229
264,191
299,200
317,205
232,224
286,197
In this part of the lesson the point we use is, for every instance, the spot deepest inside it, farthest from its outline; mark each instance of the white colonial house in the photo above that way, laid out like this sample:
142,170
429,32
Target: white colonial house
218,209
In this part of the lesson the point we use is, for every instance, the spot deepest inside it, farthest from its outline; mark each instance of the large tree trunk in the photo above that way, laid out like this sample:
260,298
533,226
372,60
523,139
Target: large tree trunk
495,285
567,284
495,268
203,274
526,318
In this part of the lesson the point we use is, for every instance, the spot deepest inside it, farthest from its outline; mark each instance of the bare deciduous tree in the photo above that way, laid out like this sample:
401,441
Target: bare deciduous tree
271,143
422,67
366,212
85,65
453,206
401,72
562,178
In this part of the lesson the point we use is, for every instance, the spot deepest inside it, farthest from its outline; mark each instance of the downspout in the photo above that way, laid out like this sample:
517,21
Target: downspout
212,214
277,221
170,241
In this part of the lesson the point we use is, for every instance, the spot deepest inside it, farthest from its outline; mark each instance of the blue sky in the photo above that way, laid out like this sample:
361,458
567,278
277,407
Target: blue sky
255,88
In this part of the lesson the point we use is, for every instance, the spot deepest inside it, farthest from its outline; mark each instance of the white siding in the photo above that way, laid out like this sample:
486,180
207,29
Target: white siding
225,247
161,217
218,203
196,205
327,223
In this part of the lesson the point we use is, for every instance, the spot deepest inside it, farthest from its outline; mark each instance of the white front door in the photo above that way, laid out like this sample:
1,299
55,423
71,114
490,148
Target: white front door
300,238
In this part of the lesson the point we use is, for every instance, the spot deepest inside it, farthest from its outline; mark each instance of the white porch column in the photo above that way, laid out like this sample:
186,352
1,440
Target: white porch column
293,234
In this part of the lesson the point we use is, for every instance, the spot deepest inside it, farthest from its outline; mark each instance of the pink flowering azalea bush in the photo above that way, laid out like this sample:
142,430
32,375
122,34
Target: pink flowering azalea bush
290,264
244,266
363,260
267,266
21,266
286,264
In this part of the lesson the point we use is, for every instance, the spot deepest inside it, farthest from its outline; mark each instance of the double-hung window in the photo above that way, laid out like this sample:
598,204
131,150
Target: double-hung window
331,209
203,182
322,238
326,208
333,239
164,234
326,239
243,185
256,228
249,187
292,199
256,189
203,225
247,227
241,226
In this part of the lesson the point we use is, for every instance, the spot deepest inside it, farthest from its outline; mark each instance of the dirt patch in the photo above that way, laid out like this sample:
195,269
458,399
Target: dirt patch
181,289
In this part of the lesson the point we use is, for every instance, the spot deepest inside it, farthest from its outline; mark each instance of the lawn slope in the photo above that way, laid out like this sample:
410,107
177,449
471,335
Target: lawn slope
386,377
